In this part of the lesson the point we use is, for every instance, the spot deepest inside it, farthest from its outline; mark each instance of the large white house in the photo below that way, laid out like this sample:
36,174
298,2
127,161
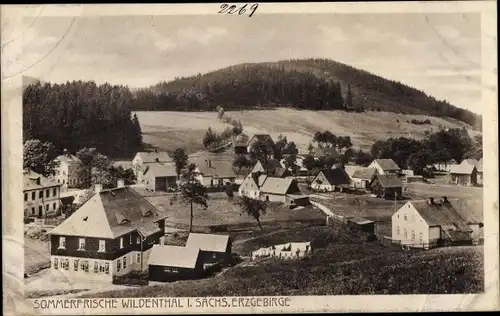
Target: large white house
430,223
66,173
41,195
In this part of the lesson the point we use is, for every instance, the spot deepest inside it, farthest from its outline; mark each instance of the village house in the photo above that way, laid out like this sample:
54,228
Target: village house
427,224
41,195
386,186
213,248
479,168
284,251
215,173
67,171
141,159
360,176
272,168
173,263
298,170
329,180
109,235
265,138
318,152
385,166
240,146
272,189
159,176
463,174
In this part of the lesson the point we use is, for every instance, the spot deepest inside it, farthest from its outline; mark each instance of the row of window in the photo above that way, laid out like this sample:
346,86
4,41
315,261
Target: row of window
82,265
102,243
40,194
41,209
420,235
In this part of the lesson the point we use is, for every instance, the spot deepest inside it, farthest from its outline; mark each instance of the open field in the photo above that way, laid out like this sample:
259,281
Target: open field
169,130
343,265
220,211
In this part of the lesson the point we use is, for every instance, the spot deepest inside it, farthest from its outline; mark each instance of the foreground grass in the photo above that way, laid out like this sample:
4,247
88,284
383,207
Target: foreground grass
45,293
344,266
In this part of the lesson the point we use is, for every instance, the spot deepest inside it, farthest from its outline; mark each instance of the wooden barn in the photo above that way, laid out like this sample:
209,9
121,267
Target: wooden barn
386,186
463,174
173,263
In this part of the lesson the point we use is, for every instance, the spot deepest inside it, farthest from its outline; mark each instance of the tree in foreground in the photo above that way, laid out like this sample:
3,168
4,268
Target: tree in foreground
181,160
191,192
253,207
39,157
241,162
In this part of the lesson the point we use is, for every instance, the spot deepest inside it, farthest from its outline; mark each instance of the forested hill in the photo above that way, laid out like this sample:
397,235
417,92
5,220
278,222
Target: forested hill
313,84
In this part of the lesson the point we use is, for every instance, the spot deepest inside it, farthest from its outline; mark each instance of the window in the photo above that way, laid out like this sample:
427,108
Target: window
54,206
32,211
421,237
33,195
25,197
101,267
56,263
86,266
82,265
47,193
118,265
75,264
102,245
413,235
96,267
81,243
130,241
40,194
138,240
397,230
66,264
138,258
124,262
406,218
40,210
106,266
61,263
54,192
121,242
62,242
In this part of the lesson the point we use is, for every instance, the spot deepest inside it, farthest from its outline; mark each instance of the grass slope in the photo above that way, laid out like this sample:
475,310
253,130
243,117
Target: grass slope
170,130
344,266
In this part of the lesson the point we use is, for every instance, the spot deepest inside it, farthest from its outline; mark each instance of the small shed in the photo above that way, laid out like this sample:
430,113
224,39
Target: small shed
172,263
361,224
213,248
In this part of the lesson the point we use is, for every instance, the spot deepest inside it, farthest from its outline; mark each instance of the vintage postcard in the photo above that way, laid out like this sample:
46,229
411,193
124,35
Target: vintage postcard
249,158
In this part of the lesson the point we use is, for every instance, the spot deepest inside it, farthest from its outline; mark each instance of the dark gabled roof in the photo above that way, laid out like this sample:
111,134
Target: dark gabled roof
111,213
262,138
388,180
387,164
216,169
336,176
441,214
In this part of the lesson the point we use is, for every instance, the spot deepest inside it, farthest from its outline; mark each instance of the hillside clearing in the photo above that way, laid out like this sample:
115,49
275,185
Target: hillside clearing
169,130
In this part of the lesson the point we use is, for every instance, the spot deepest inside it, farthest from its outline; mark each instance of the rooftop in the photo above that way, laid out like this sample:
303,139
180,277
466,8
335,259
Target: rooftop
276,185
389,180
160,156
208,242
463,168
173,256
441,214
33,180
387,164
161,169
336,176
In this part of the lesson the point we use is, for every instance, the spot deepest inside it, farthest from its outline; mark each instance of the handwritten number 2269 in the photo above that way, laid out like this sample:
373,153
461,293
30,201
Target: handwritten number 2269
227,9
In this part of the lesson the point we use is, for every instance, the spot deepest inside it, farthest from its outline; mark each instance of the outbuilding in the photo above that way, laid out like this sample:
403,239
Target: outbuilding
213,248
172,263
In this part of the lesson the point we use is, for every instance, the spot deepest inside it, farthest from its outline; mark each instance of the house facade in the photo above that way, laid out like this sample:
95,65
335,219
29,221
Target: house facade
249,187
361,177
112,234
173,263
463,174
329,180
386,186
428,224
385,166
143,158
42,196
215,173
66,173
159,176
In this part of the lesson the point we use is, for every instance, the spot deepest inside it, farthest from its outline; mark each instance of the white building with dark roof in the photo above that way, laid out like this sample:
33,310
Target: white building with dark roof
385,166
159,176
109,235
41,195
142,158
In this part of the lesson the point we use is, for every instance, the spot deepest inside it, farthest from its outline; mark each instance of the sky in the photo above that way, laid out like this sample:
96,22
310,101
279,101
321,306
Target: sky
439,53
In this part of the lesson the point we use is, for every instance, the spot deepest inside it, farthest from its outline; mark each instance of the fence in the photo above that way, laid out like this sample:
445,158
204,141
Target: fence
49,221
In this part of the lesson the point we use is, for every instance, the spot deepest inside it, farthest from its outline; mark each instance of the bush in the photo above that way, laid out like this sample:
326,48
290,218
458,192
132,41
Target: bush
133,278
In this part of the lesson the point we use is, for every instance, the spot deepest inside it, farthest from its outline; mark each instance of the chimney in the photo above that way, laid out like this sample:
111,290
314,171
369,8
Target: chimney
97,188
430,200
444,199
120,183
